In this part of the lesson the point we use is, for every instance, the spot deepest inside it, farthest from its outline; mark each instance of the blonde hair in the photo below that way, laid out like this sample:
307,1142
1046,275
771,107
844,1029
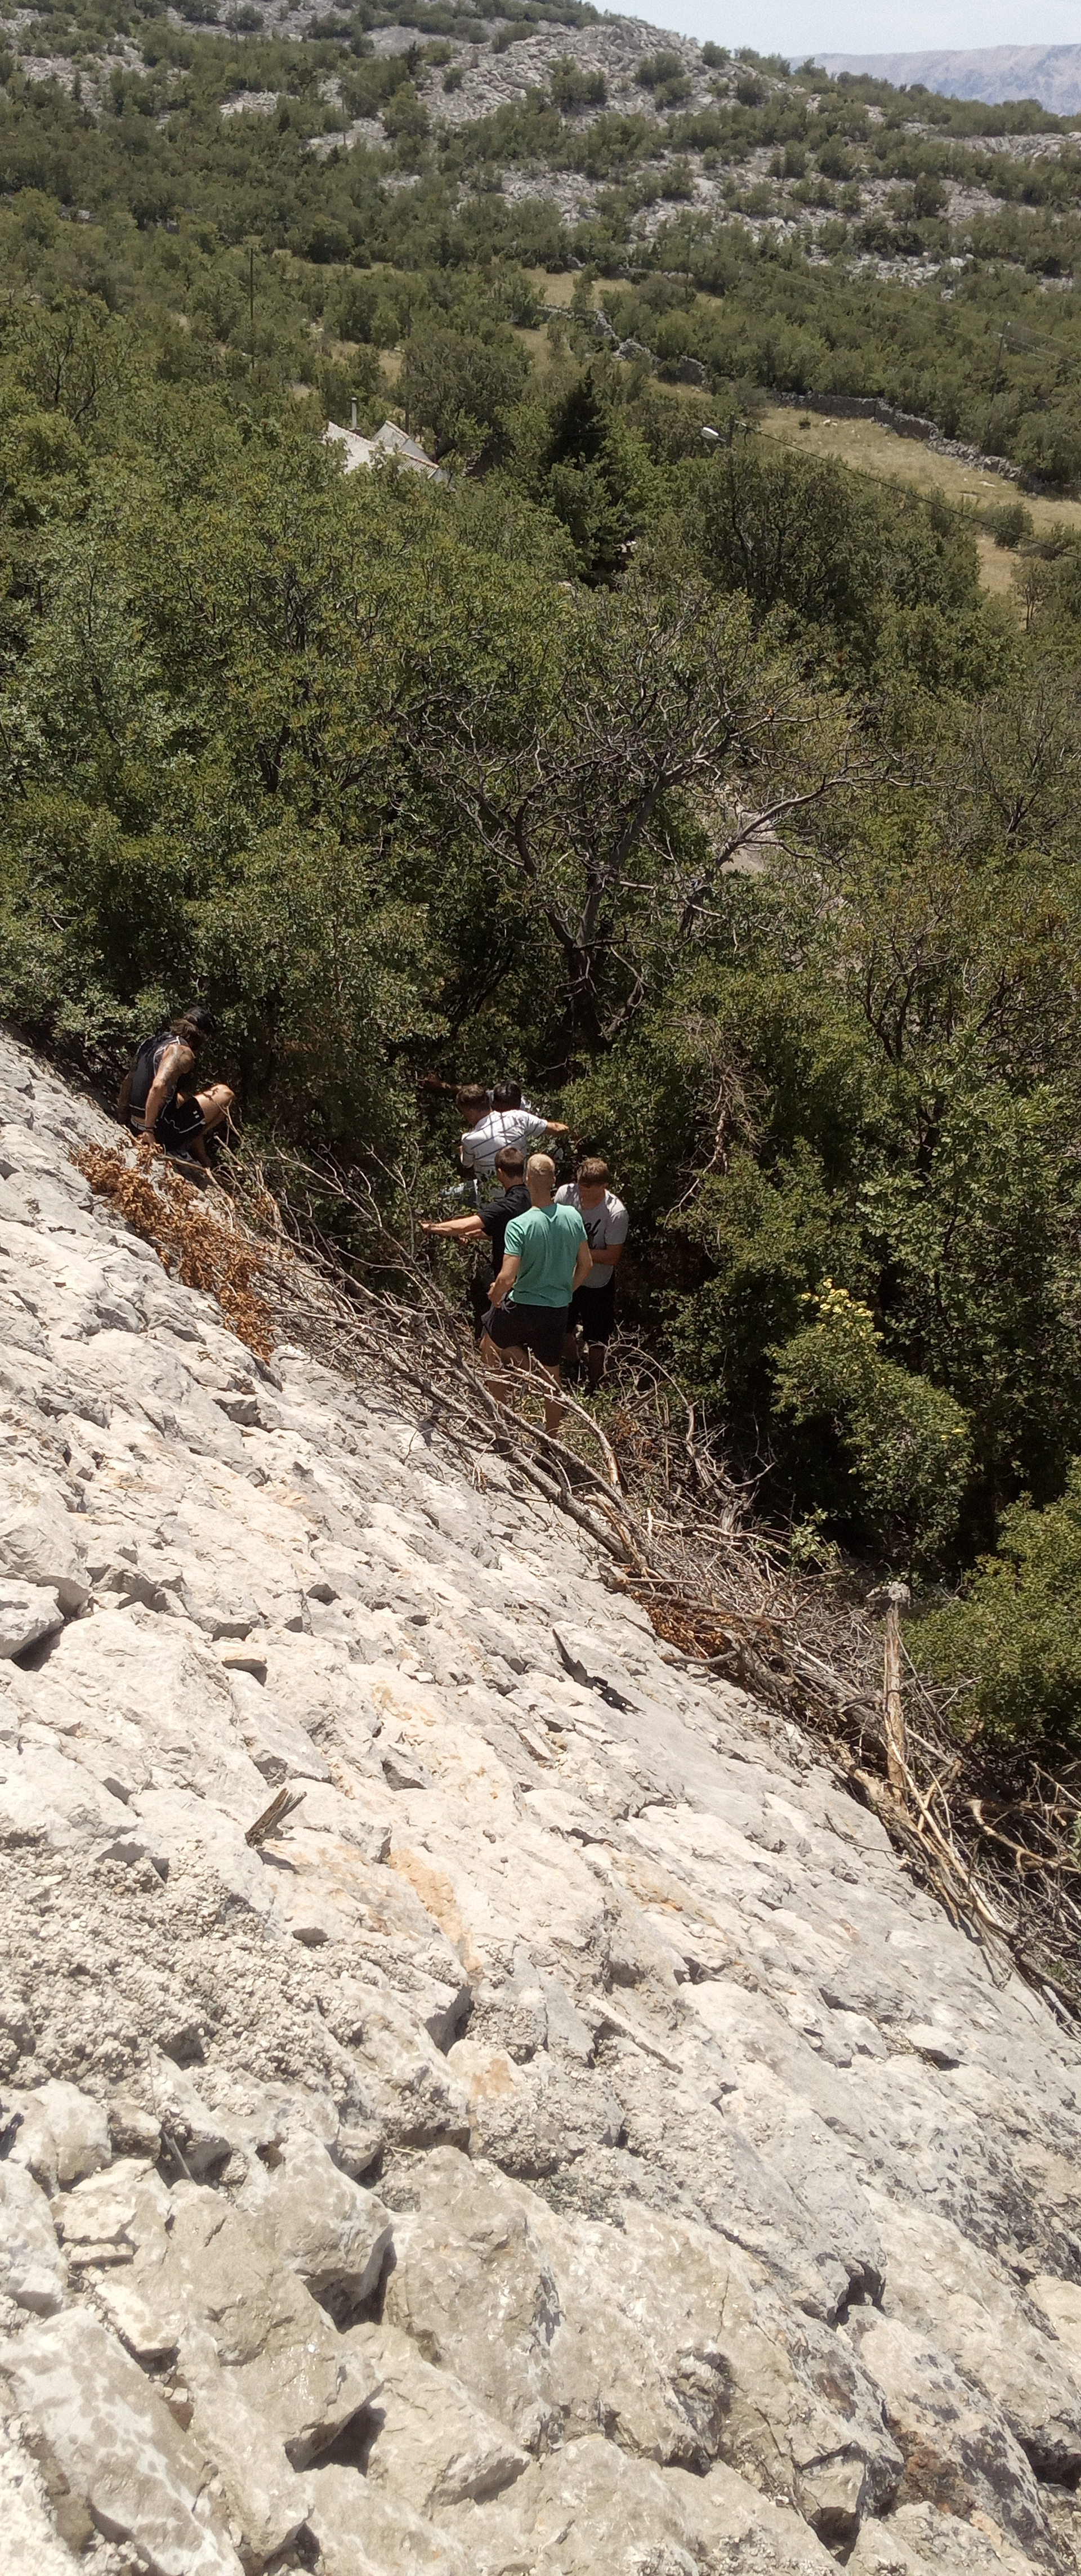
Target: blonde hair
542,1167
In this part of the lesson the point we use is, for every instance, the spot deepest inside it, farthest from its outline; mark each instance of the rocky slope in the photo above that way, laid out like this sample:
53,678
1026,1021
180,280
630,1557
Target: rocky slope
570,2143
683,160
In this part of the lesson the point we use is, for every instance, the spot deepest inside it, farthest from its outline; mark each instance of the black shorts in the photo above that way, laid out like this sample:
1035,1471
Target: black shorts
595,1310
177,1124
540,1329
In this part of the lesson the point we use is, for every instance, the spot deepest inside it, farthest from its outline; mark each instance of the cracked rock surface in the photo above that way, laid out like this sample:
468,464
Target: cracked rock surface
571,2143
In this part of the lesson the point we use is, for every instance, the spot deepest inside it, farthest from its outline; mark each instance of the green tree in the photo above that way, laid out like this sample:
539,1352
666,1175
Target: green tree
462,390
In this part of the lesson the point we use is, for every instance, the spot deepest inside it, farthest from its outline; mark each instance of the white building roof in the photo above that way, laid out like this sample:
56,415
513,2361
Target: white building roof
388,441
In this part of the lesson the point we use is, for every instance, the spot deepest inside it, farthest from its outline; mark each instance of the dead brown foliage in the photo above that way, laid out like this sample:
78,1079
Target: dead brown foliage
202,1249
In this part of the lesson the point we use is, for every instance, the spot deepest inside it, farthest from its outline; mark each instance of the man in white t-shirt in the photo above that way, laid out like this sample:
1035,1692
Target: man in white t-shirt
509,1121
593,1306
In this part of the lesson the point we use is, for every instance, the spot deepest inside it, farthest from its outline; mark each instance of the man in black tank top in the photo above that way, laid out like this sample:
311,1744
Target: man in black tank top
151,1098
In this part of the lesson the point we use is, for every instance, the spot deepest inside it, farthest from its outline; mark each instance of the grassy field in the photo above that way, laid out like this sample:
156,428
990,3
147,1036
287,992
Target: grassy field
558,288
874,450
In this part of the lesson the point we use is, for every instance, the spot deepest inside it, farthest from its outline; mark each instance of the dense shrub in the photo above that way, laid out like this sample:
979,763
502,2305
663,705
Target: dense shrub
904,1443
1013,1639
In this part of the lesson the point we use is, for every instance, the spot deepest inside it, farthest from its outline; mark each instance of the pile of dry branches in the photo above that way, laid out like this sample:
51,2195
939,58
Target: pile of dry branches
993,1836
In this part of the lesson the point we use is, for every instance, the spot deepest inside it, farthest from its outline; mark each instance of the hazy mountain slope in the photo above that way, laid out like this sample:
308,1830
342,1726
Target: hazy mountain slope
1051,73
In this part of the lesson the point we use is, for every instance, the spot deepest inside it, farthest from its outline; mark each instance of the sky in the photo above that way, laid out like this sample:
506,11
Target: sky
801,27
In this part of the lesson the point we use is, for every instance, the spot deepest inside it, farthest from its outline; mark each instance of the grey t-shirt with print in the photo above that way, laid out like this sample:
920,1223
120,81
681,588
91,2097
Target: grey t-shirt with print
605,1224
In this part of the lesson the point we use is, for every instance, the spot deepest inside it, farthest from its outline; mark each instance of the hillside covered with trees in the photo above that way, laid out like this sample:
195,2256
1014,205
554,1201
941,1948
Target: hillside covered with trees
696,782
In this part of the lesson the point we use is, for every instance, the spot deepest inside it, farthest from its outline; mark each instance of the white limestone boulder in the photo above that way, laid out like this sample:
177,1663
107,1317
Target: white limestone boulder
320,2223
33,2271
41,1546
432,2444
115,2446
77,2127
215,2269
28,1613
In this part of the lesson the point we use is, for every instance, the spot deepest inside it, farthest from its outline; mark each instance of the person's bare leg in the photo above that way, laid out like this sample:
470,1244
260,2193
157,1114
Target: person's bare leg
496,1363
522,1361
553,1411
215,1105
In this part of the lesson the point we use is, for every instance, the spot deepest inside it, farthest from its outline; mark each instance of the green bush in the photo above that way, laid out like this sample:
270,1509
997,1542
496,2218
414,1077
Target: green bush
462,389
1014,1636
1008,522
905,1443
571,87
663,73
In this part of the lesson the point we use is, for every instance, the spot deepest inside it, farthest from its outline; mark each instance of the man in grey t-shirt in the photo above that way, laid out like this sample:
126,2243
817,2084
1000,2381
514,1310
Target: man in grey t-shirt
593,1306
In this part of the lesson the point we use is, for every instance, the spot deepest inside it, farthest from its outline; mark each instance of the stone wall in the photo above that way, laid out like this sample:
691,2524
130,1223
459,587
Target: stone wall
906,424
571,2142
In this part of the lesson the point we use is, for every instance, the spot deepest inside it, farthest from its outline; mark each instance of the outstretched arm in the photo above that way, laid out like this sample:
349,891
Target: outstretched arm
464,1229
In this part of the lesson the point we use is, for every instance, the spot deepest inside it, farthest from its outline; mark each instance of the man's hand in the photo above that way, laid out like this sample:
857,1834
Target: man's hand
505,1279
465,1229
582,1267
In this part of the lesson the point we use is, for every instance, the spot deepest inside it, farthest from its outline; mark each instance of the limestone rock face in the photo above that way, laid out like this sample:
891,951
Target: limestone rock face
112,2441
570,2143
32,2269
321,2224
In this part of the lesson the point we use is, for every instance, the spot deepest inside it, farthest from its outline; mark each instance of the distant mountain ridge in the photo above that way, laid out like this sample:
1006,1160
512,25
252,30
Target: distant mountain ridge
1050,73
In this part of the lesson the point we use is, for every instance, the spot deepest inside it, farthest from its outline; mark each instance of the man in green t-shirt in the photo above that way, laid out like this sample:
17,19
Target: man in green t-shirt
546,1257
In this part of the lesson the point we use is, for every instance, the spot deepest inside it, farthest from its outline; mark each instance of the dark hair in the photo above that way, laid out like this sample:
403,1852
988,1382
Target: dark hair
592,1171
511,1160
507,1095
472,1099
193,1025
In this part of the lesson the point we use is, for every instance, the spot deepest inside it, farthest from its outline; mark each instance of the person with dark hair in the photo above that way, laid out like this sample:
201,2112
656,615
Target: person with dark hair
150,1098
494,1217
471,1098
593,1305
488,1224
509,1121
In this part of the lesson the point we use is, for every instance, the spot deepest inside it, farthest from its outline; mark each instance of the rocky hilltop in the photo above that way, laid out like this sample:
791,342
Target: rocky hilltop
563,2140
